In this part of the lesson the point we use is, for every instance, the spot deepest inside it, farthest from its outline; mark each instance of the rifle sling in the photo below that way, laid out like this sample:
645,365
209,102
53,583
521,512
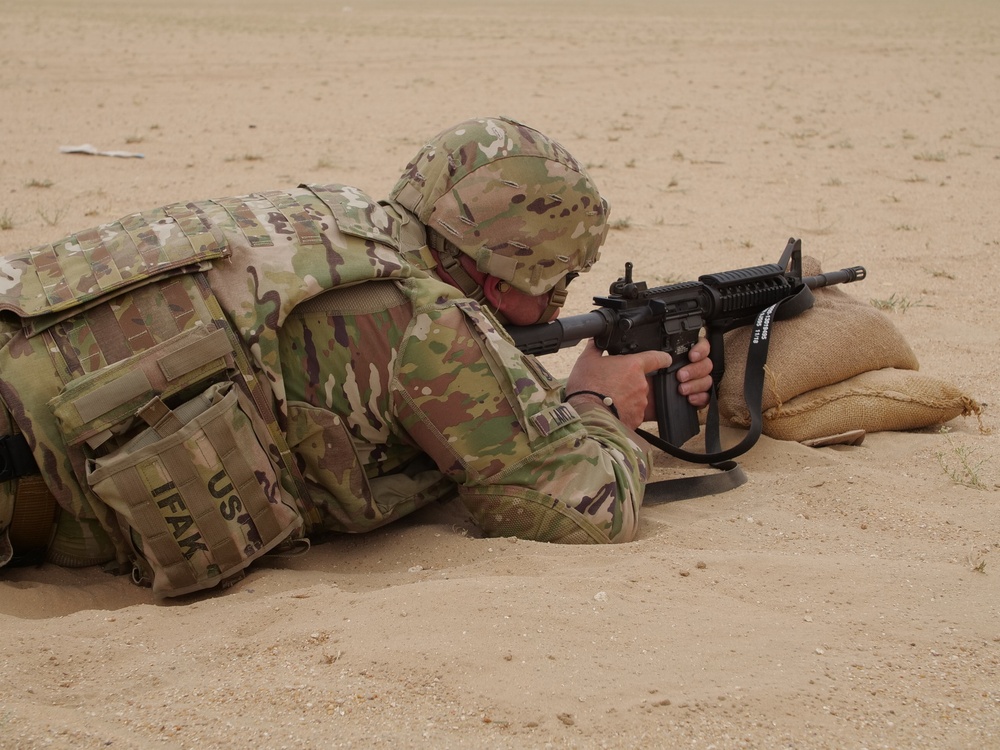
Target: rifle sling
729,476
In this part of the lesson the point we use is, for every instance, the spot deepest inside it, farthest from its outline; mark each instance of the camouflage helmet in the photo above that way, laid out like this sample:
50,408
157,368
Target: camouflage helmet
510,198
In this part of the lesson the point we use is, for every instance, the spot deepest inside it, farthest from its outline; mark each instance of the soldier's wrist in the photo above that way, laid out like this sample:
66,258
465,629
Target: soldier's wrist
598,398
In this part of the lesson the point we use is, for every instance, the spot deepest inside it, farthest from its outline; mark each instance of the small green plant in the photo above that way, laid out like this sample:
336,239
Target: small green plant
6,220
39,183
833,182
960,464
896,304
132,139
927,156
621,223
905,228
977,559
630,164
51,219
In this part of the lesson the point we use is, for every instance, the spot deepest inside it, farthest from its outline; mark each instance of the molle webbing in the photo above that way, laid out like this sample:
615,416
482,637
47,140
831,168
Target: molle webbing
63,279
199,230
255,232
131,361
282,210
188,353
195,354
306,229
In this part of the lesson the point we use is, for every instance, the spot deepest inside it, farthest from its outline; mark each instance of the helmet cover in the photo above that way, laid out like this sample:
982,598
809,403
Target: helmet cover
510,198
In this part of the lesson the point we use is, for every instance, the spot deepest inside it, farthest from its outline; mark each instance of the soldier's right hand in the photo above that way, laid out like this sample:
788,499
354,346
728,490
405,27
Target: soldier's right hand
624,378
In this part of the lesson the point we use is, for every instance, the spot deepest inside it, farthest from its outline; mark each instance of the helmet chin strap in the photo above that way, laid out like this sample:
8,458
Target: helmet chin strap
556,300
448,256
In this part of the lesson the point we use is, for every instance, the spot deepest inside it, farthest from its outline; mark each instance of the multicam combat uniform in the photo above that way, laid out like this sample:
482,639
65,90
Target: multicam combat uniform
199,384
435,396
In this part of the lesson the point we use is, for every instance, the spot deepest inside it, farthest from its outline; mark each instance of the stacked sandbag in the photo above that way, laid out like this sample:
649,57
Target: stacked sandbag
837,368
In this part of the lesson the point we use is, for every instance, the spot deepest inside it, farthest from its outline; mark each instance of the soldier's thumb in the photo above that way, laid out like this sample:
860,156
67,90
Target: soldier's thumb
654,360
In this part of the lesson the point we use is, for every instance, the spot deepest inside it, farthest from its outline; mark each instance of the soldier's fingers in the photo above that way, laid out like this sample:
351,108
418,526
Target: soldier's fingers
695,371
699,385
698,400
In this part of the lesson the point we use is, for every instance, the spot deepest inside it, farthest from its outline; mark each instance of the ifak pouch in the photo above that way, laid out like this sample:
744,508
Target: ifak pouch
196,494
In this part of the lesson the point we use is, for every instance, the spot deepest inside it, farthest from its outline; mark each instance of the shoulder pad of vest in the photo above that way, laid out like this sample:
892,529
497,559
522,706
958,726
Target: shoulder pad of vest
357,214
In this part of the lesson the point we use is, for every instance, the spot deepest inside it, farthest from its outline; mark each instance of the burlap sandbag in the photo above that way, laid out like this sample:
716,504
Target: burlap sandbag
887,399
838,338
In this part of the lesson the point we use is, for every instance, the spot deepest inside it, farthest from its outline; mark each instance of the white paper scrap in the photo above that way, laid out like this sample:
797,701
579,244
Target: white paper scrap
86,148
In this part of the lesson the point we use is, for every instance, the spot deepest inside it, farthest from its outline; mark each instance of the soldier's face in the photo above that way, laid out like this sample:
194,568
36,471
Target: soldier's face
518,308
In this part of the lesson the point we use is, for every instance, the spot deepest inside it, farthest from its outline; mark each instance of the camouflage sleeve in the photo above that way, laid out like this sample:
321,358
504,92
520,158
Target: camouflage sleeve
526,464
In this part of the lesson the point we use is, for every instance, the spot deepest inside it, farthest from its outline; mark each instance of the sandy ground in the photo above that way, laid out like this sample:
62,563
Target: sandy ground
842,598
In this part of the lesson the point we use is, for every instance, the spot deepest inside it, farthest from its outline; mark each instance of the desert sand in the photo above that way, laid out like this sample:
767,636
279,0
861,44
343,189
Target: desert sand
844,597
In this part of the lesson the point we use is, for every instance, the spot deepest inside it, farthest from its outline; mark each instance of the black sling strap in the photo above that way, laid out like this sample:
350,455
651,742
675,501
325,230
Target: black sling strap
730,474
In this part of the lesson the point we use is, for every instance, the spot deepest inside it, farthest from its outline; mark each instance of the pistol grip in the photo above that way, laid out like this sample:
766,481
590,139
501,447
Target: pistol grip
676,419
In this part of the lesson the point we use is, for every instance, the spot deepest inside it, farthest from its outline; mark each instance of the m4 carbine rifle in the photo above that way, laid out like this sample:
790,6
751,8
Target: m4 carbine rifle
634,318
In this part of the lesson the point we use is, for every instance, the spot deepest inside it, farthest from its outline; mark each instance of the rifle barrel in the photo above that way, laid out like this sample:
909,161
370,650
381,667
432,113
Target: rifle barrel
546,338
843,276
